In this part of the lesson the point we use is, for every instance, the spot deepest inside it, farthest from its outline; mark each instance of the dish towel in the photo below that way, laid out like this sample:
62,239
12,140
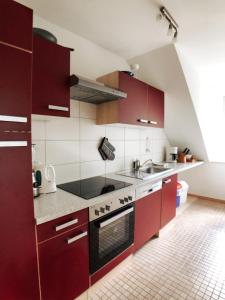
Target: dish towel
106,149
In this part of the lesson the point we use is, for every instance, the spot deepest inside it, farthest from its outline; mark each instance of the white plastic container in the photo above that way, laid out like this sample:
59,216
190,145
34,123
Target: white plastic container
182,192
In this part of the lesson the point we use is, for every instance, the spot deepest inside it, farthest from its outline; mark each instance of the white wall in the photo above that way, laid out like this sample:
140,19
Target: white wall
71,144
207,180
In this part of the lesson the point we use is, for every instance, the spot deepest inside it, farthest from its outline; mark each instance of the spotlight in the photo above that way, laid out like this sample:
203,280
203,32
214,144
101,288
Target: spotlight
175,36
173,26
170,30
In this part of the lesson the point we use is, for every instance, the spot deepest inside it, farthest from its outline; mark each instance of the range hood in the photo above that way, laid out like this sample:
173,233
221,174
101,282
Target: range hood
86,90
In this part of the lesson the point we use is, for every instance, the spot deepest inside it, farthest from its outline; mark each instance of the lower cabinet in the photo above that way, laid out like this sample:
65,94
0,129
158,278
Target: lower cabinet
64,265
147,218
169,190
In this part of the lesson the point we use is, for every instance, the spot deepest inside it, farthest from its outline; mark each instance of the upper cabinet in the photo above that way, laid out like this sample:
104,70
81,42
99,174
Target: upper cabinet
155,107
144,104
51,71
15,88
16,24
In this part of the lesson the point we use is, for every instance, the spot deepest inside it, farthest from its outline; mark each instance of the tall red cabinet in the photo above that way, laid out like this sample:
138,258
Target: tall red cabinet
18,256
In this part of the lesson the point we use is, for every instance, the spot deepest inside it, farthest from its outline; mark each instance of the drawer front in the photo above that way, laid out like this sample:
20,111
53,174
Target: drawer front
53,228
64,265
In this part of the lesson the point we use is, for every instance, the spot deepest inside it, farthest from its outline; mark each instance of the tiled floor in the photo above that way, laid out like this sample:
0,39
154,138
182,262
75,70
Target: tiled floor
186,262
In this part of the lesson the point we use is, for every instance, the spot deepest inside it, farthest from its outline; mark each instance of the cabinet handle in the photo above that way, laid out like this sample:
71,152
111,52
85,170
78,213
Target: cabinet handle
142,121
55,107
65,225
153,122
76,238
13,144
5,118
167,181
116,217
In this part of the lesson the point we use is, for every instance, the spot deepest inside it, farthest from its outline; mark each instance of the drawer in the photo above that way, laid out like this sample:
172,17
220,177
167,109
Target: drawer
53,228
64,265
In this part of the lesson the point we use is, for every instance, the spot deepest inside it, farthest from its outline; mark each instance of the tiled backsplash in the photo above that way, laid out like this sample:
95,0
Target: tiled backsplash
71,144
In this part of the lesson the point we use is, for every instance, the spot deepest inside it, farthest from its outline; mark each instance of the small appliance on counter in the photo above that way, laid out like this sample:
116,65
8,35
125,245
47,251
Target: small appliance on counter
171,154
48,178
186,156
36,181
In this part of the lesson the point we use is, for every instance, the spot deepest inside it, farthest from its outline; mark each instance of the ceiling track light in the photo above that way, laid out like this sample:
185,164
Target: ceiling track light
173,26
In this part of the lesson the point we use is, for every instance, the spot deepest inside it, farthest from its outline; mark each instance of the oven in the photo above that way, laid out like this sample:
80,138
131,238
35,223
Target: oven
110,235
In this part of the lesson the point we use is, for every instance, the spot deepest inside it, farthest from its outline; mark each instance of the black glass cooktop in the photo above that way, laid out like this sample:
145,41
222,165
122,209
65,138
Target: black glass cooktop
93,187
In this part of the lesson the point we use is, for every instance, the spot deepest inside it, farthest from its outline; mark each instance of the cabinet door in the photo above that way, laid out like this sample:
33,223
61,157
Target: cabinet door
51,70
64,267
15,89
18,257
16,24
155,107
133,109
147,218
169,191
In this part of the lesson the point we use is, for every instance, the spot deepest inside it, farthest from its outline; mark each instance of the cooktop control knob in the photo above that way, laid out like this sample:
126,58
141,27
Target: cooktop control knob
102,210
121,201
97,212
107,207
125,199
130,198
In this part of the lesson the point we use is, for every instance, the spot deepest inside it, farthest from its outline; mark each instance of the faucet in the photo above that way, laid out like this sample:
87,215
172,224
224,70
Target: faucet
137,164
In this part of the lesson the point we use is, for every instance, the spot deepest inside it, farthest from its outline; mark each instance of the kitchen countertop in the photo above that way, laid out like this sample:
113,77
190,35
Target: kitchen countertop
48,207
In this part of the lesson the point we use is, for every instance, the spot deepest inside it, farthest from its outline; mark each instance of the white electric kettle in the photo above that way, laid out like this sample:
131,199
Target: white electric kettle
48,181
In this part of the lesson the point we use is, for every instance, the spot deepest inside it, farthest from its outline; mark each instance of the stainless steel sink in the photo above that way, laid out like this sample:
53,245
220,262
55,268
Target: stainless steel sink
145,173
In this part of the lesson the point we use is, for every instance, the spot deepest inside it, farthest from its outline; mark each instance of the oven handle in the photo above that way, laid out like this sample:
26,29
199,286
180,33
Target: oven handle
120,215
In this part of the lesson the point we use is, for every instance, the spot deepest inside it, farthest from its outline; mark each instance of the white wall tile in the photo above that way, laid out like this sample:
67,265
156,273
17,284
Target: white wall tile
146,133
90,131
67,173
89,151
120,147
115,133
62,152
146,147
62,129
40,151
38,130
132,134
94,168
71,144
132,148
87,110
74,108
115,165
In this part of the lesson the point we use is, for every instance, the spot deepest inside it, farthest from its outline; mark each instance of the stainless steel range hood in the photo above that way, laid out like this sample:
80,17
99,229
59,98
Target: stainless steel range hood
92,92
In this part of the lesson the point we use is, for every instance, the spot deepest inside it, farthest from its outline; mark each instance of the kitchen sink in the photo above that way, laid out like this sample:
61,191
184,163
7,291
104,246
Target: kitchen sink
146,172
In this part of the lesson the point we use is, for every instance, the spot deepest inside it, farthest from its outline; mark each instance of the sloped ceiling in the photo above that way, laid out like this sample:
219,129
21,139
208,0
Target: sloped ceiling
162,69
129,27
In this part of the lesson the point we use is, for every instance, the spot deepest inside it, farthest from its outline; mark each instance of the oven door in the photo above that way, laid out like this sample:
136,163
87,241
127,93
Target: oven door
110,235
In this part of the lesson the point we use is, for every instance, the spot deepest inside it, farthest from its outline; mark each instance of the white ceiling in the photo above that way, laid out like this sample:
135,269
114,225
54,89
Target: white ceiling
129,27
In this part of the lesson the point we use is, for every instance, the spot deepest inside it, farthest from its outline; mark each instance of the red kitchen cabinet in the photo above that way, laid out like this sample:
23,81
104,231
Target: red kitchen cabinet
155,107
133,109
147,218
16,24
144,104
15,89
169,190
18,257
51,71
64,265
